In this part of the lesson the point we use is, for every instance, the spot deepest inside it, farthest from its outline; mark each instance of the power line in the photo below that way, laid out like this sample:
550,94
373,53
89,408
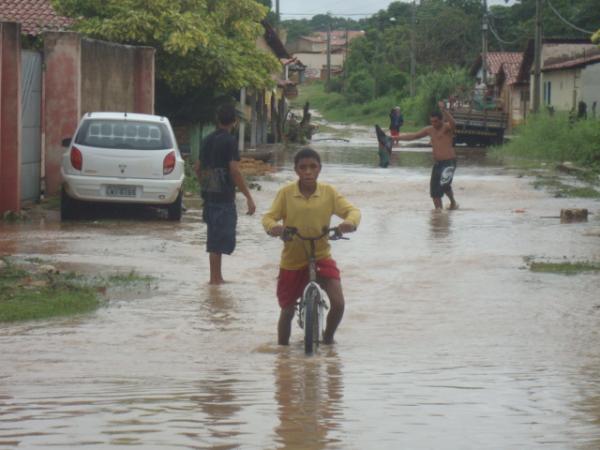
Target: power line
502,41
566,21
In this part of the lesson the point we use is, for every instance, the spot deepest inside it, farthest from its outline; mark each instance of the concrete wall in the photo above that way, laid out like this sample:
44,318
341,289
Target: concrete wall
306,46
10,117
564,88
590,87
569,86
552,52
106,77
114,77
84,75
61,108
315,62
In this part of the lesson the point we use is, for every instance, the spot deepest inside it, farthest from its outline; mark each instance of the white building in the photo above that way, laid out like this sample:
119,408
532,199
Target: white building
570,73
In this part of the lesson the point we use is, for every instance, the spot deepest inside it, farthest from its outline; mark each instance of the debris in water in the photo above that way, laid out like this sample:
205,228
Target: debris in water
569,215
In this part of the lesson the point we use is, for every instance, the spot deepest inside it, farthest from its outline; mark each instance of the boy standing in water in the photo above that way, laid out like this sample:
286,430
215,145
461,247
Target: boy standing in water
308,206
441,133
218,172
396,121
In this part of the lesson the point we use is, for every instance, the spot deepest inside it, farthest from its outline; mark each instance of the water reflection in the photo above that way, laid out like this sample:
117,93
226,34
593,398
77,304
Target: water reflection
217,400
440,224
219,306
309,393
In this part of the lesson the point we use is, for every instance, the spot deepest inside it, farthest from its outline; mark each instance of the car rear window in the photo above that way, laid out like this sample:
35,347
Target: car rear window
124,134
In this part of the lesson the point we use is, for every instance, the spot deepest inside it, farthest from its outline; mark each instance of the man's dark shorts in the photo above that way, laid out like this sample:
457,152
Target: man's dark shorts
221,220
441,178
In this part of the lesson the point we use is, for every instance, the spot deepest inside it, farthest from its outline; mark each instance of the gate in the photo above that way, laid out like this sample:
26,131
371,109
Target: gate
31,138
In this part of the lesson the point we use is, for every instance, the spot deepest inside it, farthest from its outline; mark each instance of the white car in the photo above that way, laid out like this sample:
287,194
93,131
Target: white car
122,158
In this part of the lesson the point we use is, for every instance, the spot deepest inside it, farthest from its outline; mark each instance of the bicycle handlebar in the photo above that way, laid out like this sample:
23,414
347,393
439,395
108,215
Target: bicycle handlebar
333,234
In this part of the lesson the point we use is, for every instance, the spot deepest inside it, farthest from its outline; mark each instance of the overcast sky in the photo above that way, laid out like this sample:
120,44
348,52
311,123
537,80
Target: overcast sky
338,7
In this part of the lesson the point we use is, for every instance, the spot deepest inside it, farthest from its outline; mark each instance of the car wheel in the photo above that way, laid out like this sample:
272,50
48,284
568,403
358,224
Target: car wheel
68,206
175,209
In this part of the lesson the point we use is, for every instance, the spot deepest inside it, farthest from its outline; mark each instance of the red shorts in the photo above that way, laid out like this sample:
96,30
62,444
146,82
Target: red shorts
291,283
394,133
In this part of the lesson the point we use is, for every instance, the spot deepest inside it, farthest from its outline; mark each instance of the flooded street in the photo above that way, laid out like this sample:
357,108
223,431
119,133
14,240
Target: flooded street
448,341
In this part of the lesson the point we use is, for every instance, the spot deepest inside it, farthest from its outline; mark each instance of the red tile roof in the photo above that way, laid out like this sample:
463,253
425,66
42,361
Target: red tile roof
572,63
35,16
338,37
495,61
511,72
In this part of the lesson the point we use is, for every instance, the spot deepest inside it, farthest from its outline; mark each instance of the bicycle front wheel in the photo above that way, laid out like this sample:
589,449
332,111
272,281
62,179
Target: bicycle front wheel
312,298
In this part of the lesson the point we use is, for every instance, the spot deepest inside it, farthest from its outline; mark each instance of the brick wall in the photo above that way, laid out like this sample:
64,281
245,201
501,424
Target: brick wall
10,116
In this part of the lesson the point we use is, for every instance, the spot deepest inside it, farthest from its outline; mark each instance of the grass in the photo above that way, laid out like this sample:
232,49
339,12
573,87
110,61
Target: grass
556,139
31,295
25,296
560,189
190,182
334,107
565,268
124,279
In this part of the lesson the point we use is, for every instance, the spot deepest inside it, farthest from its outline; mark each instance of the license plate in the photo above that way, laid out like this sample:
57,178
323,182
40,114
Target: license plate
120,191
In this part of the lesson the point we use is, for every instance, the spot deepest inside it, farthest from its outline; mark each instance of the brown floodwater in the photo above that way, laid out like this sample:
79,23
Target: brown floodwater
448,341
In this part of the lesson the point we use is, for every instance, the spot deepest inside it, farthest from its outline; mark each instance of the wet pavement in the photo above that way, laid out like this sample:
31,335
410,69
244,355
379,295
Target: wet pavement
448,340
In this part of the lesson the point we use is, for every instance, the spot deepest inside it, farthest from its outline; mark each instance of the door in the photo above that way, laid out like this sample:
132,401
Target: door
31,139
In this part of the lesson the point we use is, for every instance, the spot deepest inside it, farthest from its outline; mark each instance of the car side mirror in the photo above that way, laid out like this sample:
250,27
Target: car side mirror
66,142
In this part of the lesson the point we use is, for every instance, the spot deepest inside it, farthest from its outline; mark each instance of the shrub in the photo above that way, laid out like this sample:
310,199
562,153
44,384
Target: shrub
359,87
555,138
334,85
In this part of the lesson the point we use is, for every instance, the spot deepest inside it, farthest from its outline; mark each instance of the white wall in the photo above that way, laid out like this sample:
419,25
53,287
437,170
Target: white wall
570,86
316,61
565,86
590,87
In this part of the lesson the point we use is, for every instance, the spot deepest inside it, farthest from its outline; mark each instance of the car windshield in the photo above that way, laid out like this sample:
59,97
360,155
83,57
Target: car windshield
124,134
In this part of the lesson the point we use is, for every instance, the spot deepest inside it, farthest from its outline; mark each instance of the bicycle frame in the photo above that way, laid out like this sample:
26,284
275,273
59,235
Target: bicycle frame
312,292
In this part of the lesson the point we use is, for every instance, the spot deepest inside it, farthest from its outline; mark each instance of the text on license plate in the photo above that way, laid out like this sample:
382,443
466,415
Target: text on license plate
120,191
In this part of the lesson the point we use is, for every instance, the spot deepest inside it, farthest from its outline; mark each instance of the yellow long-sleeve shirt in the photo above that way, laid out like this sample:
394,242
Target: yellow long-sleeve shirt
309,216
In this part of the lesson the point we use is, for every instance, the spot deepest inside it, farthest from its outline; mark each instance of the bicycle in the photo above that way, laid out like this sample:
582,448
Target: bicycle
312,305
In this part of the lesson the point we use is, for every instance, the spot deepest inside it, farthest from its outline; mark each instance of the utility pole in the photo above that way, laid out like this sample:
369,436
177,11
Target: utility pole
537,56
484,42
413,59
329,50
277,12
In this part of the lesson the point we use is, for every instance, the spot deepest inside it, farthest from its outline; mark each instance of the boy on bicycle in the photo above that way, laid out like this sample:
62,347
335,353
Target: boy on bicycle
308,206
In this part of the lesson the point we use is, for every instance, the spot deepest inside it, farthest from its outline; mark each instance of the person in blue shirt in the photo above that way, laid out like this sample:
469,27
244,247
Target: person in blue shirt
396,121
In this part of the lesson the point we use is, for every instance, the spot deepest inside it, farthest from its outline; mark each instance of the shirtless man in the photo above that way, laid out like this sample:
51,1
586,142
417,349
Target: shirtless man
441,133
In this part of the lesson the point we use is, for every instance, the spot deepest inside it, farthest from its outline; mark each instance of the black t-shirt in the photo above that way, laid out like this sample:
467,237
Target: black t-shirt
218,149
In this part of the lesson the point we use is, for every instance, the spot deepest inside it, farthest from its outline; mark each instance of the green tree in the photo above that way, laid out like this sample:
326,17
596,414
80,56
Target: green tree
206,44
320,22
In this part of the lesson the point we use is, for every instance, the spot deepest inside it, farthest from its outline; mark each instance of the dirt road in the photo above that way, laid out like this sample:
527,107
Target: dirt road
449,341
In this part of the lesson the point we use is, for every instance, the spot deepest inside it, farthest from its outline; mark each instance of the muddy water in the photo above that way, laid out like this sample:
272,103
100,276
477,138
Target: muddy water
448,341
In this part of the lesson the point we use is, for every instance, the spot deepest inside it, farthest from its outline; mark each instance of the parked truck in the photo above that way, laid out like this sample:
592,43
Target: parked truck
478,124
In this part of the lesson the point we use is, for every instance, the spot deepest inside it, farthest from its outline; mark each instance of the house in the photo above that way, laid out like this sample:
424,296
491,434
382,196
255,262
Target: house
312,50
513,93
570,73
34,16
266,110
43,94
494,62
510,93
567,83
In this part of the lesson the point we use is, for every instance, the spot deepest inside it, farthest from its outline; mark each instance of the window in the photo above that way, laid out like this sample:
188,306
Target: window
547,93
124,134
